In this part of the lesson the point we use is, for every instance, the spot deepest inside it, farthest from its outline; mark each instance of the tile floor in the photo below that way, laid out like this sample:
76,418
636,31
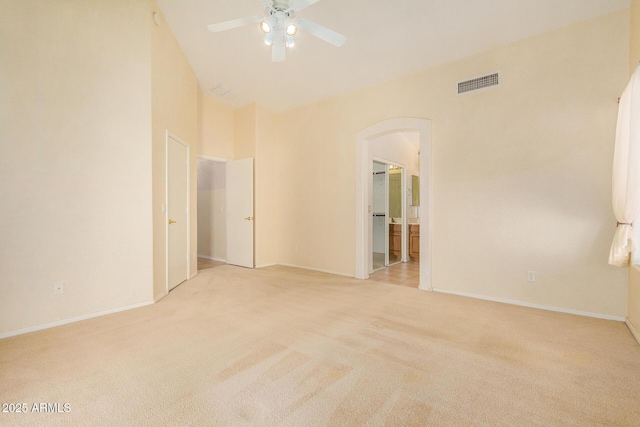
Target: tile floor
403,274
378,260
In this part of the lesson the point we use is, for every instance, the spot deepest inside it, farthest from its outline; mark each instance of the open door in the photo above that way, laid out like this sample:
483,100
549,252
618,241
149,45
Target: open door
239,178
395,214
177,212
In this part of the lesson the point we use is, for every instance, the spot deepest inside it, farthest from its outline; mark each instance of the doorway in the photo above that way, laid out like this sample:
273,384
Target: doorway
212,227
225,212
364,140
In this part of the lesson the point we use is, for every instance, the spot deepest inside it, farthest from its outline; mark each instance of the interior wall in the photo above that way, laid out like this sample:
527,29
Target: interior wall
266,210
316,186
244,125
215,128
75,159
633,302
174,107
521,173
633,296
212,229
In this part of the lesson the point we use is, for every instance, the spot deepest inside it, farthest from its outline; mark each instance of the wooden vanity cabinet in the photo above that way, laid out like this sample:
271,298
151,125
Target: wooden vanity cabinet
414,242
395,240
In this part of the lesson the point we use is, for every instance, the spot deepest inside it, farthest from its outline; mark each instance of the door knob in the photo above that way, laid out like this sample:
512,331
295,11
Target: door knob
248,218
172,222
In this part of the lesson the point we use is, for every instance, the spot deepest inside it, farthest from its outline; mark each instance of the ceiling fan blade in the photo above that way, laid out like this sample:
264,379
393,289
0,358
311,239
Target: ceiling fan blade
321,32
234,23
297,5
278,49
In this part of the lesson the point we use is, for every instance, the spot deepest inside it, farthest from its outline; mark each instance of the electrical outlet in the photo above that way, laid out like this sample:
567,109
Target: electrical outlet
58,288
531,276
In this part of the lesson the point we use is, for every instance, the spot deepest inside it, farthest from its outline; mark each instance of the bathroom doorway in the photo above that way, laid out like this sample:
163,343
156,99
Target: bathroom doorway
376,141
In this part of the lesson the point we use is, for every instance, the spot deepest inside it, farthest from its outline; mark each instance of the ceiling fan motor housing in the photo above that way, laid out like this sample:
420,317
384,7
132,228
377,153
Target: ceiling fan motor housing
281,6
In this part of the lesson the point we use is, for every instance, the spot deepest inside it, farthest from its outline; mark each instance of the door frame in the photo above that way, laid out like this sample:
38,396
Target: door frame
363,196
211,159
169,135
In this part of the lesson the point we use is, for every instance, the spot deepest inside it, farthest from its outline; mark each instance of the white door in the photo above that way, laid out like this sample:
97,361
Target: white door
240,212
177,212
386,215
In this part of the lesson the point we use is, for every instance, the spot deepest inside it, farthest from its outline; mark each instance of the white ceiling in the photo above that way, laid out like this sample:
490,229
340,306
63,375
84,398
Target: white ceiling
385,39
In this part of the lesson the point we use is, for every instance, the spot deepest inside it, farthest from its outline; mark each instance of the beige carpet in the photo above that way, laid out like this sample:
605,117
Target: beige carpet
282,346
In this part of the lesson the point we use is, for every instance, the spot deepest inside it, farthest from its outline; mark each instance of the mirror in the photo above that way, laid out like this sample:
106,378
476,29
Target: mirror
415,190
395,193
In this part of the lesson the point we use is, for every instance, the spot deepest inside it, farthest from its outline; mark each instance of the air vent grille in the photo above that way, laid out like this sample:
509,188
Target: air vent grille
223,92
479,83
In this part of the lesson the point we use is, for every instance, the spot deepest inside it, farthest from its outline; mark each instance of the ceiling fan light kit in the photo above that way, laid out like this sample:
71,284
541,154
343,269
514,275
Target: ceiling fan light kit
291,29
280,26
265,27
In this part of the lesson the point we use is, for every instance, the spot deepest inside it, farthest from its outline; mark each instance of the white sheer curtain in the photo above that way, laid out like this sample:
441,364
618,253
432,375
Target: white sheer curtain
626,172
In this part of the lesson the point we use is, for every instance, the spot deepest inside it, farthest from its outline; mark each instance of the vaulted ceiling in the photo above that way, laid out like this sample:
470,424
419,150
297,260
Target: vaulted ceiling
385,39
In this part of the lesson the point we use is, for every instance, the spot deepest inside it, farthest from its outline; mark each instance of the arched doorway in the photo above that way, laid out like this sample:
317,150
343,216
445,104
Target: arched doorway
363,194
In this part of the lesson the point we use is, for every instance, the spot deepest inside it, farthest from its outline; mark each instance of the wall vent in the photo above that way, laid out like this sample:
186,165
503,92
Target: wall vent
479,83
223,92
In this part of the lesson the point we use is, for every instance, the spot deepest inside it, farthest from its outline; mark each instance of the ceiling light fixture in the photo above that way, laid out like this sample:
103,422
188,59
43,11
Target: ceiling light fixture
290,41
291,29
280,24
265,27
268,38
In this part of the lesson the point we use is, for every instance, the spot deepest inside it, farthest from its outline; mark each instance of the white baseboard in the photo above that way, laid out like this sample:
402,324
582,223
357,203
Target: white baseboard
633,330
159,297
316,269
211,258
72,320
266,265
538,306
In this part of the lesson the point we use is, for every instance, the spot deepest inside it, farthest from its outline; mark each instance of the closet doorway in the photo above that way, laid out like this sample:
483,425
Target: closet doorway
212,228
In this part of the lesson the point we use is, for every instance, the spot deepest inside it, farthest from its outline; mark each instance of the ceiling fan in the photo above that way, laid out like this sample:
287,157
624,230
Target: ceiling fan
280,26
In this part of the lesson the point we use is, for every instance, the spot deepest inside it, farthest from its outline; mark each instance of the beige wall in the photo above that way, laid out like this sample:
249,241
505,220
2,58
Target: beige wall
174,108
75,159
244,131
215,128
521,173
316,183
266,187
633,297
633,305
634,39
